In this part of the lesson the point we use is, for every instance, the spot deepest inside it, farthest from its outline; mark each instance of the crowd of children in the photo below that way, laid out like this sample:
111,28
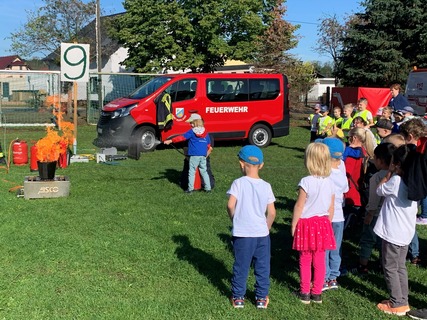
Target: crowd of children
358,167
385,163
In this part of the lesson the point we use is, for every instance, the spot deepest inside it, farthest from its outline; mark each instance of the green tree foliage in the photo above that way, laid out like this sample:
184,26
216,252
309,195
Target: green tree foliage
275,41
195,34
330,34
326,69
54,22
382,43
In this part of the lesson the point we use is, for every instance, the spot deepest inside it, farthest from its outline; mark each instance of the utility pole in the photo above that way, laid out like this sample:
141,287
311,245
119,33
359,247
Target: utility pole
99,53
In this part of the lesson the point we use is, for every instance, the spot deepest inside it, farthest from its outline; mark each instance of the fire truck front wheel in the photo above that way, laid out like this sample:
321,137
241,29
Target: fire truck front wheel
147,138
260,135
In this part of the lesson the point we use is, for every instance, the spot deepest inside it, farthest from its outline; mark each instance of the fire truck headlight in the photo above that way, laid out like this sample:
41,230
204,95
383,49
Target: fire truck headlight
123,112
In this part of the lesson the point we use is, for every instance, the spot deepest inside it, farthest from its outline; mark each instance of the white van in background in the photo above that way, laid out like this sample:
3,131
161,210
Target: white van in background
416,90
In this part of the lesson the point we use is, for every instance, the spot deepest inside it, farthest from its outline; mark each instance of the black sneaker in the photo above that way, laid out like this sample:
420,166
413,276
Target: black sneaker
420,314
325,286
303,297
238,302
262,303
188,191
360,270
415,261
333,284
316,298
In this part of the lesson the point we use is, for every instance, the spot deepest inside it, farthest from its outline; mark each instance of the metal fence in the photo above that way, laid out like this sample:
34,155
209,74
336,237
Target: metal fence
28,98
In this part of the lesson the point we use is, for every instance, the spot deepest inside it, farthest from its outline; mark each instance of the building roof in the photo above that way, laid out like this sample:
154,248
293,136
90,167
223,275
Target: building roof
8,61
88,35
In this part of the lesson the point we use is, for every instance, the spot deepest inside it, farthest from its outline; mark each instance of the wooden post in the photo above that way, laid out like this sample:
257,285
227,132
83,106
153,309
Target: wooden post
75,119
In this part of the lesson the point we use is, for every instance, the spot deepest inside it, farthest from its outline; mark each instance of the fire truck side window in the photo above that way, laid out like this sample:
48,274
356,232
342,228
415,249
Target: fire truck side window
223,90
263,89
182,90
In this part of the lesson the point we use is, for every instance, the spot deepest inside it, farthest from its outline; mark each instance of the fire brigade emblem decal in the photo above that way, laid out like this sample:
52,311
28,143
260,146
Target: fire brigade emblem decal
179,112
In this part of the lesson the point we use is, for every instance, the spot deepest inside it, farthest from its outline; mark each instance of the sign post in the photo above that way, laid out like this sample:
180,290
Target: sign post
75,67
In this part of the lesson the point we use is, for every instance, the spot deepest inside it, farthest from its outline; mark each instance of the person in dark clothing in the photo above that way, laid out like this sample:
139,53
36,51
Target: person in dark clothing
397,101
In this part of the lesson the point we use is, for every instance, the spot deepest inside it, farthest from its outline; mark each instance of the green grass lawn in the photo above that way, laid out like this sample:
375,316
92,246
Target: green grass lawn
127,243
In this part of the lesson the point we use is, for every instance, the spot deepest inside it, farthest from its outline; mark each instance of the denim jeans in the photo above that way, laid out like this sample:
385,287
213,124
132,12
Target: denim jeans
414,247
333,257
369,240
198,161
246,251
424,208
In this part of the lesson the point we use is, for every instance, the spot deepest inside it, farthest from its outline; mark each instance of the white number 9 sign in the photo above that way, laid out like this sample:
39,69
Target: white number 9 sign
74,62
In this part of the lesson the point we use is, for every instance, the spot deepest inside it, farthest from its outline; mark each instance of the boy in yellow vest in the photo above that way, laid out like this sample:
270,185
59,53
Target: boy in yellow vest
324,123
362,104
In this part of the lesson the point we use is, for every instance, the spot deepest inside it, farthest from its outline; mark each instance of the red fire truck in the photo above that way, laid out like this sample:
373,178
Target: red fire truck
233,106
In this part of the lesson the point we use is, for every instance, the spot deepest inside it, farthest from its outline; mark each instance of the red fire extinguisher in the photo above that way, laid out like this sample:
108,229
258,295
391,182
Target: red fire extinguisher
33,158
20,152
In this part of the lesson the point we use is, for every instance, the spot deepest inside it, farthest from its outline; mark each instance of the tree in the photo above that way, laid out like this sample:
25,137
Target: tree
331,33
326,69
382,43
195,34
54,22
275,41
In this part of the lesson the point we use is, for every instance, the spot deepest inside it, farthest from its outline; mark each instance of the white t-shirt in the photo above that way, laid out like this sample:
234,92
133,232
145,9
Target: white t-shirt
396,222
319,194
253,196
339,178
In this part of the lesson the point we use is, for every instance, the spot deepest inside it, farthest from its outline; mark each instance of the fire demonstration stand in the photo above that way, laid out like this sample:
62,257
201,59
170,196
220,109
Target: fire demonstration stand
35,188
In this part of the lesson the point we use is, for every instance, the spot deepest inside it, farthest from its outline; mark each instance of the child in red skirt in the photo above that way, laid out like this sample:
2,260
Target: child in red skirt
311,221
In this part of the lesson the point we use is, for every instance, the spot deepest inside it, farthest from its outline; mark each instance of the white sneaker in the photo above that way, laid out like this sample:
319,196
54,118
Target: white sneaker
421,220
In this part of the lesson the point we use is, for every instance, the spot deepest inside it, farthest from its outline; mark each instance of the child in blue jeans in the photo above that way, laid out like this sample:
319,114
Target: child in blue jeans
251,209
339,179
199,147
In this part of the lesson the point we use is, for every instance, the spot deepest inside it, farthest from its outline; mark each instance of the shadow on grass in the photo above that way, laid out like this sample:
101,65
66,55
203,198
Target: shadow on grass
285,203
172,175
284,260
208,266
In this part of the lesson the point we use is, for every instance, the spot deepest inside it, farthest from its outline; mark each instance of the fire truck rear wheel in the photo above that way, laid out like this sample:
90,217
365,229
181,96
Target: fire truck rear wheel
260,135
147,138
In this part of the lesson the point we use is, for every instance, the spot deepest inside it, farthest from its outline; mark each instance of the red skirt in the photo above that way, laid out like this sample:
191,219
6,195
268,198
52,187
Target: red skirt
314,234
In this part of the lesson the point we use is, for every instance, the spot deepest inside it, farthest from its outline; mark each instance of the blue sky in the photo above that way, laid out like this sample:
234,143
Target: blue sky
306,13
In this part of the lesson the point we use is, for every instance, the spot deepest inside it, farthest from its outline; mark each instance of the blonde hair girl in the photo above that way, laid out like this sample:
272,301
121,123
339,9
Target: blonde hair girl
357,137
311,221
318,160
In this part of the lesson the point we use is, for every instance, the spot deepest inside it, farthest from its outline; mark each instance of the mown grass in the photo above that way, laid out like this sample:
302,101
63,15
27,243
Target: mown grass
127,243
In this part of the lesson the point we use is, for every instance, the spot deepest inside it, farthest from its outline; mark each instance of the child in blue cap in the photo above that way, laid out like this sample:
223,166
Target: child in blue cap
339,179
252,211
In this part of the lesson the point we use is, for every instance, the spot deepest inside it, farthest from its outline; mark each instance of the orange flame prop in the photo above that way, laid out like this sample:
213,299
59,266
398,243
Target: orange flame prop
55,142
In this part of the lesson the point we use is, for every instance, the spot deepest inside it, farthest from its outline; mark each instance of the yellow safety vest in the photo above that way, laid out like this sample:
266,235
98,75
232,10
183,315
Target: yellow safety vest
363,114
322,123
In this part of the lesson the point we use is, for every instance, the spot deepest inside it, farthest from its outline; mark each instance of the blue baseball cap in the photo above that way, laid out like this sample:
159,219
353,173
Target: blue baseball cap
335,145
251,154
324,108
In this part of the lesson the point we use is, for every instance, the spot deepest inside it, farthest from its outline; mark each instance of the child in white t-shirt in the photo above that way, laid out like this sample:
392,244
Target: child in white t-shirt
251,209
311,221
396,227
